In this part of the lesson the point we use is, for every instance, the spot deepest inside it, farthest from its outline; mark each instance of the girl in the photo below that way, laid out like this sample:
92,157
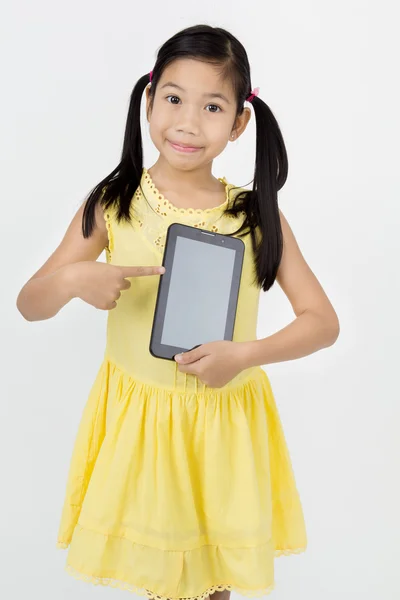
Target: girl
180,484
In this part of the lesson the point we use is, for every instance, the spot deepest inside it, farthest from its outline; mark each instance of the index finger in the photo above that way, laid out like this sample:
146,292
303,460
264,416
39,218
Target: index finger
142,271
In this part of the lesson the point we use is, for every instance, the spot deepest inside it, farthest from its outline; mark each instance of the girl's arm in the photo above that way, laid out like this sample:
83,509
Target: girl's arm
316,325
52,286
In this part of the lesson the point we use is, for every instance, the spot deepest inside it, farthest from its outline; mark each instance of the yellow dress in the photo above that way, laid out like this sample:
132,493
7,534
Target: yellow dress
175,489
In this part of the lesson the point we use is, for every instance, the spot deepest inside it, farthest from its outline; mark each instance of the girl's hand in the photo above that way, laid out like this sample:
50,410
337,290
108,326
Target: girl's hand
101,284
214,363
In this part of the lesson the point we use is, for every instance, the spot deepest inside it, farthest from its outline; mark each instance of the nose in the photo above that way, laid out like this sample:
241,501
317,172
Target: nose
188,120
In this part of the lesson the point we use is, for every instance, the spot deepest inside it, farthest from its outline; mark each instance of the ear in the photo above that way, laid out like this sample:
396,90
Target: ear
241,123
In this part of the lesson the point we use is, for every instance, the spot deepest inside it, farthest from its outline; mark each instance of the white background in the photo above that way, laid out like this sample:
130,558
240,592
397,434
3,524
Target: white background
329,72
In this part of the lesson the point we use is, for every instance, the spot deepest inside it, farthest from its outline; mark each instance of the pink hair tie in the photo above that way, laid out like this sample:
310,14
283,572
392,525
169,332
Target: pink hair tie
151,75
253,93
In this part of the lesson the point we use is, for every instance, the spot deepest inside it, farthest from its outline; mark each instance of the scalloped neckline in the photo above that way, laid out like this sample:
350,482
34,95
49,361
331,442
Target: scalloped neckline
190,210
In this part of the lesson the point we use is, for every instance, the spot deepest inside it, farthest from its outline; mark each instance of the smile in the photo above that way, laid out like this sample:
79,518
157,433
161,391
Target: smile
187,149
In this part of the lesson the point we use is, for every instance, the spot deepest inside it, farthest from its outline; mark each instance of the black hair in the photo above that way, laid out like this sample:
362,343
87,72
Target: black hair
220,48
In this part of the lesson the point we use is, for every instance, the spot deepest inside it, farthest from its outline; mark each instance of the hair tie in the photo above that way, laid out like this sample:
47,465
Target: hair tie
253,93
151,75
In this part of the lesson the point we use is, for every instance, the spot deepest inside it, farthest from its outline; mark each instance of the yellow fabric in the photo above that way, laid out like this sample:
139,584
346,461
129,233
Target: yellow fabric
176,489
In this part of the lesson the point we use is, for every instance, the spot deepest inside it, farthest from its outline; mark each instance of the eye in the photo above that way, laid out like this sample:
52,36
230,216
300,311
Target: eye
172,97
214,105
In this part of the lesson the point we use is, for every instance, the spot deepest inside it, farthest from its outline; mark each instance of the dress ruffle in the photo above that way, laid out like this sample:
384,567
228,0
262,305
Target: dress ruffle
140,557
146,507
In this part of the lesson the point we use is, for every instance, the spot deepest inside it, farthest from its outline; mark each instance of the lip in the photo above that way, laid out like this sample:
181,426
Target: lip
184,147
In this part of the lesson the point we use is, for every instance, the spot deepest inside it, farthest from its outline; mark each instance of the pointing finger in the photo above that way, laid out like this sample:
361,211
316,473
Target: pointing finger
142,271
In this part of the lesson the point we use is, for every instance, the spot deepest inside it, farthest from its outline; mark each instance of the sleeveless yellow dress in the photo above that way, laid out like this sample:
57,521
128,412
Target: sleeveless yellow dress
177,490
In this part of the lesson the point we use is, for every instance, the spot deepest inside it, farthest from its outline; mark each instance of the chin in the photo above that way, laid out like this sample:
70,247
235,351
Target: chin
184,162
184,166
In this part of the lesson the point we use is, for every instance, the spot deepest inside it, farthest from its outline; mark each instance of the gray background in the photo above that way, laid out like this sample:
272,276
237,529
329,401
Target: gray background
328,70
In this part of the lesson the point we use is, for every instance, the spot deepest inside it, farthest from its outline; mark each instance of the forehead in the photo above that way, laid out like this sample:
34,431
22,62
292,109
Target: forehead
197,77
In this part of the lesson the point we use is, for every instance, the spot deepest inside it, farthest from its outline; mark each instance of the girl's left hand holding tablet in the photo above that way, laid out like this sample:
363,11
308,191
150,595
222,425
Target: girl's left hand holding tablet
214,363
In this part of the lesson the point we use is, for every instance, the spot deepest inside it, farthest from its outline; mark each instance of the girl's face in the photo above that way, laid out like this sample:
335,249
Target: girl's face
194,108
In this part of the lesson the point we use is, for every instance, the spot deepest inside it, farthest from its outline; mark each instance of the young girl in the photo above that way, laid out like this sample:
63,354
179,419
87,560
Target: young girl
180,484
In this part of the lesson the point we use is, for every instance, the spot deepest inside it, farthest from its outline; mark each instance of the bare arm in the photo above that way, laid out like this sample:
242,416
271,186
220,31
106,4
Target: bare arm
51,287
316,325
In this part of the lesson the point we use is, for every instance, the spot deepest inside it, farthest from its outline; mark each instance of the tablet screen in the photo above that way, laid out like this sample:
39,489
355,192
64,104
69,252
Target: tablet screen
199,292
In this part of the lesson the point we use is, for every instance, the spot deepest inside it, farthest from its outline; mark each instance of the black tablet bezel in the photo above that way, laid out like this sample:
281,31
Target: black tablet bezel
168,352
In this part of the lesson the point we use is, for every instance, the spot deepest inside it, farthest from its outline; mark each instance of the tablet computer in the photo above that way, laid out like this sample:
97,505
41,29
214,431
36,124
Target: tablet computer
197,295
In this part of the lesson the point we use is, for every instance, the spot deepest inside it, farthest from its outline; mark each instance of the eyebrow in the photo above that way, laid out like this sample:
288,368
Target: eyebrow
206,95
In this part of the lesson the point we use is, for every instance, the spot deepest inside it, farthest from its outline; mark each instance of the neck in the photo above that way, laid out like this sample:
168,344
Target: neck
166,176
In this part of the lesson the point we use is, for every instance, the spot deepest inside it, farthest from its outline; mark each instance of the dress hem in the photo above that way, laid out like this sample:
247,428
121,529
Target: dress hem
115,583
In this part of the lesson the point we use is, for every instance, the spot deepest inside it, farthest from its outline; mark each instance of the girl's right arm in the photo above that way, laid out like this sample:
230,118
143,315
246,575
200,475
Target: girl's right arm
72,272
52,286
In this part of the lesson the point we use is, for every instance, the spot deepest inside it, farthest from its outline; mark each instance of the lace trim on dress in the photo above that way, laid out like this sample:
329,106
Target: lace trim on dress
153,214
123,585
110,246
163,204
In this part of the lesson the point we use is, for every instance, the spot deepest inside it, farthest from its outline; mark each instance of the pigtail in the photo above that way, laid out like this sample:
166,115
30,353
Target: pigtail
117,189
261,202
